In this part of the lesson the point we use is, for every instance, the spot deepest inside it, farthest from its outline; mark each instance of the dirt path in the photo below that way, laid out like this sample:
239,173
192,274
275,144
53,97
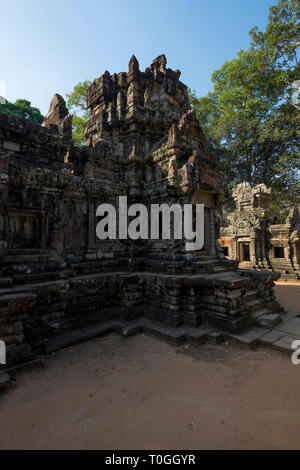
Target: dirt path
141,393
288,294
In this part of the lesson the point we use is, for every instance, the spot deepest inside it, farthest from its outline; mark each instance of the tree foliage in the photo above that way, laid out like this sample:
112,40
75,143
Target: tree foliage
76,102
250,120
23,110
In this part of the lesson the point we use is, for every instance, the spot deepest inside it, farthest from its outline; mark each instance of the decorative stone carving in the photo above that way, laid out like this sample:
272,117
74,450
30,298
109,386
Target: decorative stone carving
272,246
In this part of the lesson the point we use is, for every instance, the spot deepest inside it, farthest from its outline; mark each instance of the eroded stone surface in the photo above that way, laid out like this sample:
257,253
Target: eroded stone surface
57,278
58,118
253,236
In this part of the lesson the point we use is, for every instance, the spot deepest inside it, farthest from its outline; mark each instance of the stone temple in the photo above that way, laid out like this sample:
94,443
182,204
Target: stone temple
254,236
60,284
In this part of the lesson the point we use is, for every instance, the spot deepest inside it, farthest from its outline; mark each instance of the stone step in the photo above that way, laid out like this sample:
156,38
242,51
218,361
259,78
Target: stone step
205,262
268,321
220,269
254,305
5,381
201,253
16,302
14,289
77,336
33,278
174,335
18,355
15,297
251,295
5,282
259,313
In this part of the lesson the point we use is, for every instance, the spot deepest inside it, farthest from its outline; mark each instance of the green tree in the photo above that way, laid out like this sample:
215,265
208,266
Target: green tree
76,102
281,40
77,132
23,110
250,120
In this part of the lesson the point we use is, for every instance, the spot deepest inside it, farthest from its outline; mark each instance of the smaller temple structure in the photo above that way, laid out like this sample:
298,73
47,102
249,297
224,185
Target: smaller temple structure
253,235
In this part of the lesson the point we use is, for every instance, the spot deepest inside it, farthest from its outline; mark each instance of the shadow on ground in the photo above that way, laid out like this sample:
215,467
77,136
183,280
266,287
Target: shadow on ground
141,393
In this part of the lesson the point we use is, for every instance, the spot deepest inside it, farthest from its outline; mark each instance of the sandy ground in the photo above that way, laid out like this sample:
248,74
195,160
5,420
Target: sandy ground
288,294
141,393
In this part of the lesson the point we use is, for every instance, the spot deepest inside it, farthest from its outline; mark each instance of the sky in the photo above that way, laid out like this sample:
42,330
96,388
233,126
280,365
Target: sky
47,46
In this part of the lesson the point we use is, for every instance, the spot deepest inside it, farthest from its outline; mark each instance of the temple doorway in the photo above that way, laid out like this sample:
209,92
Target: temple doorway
244,251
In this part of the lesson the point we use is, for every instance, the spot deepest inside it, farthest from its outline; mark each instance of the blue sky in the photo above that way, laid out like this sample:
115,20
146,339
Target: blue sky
47,46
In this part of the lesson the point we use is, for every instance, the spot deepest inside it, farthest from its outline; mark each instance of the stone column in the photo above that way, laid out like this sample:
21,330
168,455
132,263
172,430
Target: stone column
252,250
